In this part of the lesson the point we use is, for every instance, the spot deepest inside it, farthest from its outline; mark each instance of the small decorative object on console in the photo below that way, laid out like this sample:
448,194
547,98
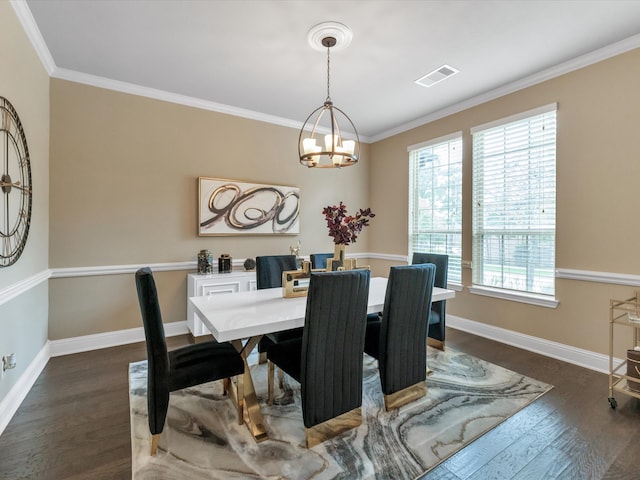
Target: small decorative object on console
249,265
224,263
296,251
205,262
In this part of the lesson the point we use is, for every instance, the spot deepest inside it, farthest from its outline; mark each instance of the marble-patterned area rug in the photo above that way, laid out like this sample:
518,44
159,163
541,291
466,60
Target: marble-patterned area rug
466,397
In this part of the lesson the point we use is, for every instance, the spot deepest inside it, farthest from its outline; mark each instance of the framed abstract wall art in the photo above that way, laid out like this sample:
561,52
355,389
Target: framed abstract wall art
233,207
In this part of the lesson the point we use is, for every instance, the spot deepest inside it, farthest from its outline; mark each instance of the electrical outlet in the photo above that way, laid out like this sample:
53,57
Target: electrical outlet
8,362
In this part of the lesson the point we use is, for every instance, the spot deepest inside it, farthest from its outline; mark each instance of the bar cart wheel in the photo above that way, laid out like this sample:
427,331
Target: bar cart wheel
613,402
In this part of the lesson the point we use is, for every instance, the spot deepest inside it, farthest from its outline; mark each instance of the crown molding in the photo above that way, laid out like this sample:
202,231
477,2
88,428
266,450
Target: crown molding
33,32
582,61
133,89
28,23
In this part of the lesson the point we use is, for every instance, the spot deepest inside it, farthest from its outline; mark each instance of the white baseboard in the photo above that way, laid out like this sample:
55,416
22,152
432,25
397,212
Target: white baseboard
86,343
10,403
566,353
54,348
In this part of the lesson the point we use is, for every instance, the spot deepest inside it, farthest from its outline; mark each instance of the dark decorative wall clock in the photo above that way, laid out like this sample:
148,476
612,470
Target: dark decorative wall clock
15,182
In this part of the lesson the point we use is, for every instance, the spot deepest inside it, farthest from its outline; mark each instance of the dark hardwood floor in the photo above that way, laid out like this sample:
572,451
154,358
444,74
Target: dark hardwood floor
74,423
569,433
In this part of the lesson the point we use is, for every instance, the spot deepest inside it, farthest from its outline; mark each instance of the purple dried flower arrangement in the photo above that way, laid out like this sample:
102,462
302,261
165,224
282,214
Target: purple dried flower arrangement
345,228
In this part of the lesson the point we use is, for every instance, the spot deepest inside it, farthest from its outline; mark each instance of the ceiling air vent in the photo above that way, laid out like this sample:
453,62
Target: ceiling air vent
430,79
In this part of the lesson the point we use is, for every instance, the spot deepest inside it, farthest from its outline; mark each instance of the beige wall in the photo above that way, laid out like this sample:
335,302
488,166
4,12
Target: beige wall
124,175
598,172
123,191
25,83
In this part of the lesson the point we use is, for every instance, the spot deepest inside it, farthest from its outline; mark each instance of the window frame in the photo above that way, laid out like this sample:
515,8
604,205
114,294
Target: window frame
455,261
527,295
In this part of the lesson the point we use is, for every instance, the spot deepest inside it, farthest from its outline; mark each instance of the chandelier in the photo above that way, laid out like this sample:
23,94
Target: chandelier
321,143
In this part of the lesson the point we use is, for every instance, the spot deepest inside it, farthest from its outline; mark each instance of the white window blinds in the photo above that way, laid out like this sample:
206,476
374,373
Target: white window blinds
514,202
435,203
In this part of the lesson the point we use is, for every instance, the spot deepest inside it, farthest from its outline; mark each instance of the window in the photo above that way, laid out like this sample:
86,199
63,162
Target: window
514,202
435,203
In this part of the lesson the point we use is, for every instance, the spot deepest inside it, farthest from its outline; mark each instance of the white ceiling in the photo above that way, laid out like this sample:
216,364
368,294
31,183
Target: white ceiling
251,57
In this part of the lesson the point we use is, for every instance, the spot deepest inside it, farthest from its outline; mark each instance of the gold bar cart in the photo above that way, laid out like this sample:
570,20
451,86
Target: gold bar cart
625,313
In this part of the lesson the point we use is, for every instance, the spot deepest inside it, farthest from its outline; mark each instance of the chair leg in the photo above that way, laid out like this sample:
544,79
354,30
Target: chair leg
405,396
270,372
226,385
333,427
155,439
281,379
157,412
432,342
262,358
235,396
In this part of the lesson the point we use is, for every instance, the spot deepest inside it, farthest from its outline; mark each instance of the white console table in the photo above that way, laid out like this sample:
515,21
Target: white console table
213,284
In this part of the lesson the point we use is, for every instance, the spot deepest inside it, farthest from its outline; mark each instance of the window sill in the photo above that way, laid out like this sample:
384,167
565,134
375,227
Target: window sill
458,287
514,296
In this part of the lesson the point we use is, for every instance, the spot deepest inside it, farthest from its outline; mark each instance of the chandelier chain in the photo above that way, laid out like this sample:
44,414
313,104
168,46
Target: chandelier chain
328,70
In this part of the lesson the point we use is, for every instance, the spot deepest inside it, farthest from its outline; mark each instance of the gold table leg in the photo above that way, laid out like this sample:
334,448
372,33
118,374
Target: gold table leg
247,397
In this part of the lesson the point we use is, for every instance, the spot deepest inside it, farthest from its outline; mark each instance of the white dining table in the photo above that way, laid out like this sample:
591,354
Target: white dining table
243,318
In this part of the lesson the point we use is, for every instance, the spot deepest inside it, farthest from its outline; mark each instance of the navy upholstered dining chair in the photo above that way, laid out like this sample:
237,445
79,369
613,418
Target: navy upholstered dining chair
327,359
398,340
319,260
437,318
269,270
184,367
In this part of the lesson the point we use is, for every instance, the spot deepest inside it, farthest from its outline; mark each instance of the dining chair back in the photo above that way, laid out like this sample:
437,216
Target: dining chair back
398,340
269,270
168,371
437,318
327,360
319,260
